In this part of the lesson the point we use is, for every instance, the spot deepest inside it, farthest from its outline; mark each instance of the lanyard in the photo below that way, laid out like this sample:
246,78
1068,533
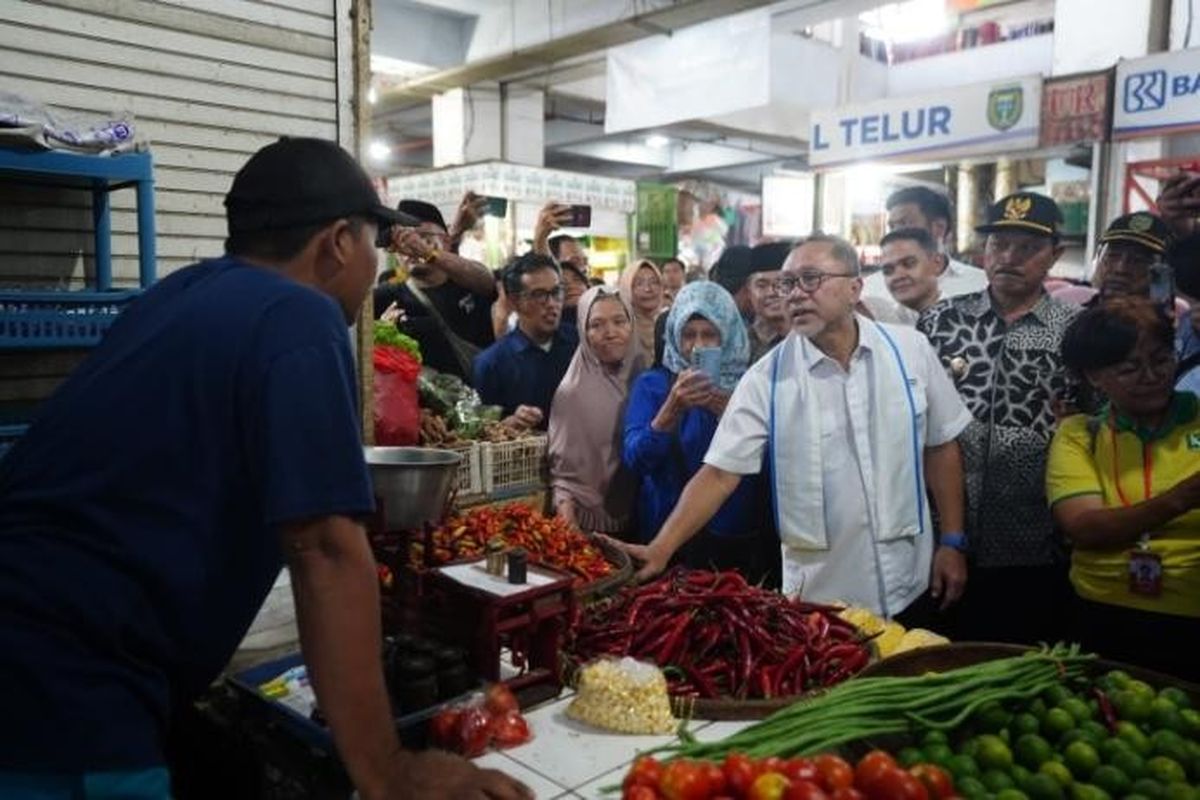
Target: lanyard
1147,468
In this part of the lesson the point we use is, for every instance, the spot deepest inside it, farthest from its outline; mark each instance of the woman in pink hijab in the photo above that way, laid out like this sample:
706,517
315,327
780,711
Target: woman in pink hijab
642,290
591,488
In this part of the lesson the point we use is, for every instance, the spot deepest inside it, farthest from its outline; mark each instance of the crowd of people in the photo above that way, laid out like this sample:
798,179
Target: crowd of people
955,446
1002,458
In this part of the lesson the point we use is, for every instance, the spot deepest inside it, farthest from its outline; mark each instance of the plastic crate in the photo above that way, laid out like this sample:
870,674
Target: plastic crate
59,319
469,480
514,466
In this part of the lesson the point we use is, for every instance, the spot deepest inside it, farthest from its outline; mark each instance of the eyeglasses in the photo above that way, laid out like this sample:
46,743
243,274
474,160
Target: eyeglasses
808,281
647,283
544,296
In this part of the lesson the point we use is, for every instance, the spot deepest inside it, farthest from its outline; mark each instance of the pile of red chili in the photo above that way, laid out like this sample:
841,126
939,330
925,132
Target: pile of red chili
717,636
547,540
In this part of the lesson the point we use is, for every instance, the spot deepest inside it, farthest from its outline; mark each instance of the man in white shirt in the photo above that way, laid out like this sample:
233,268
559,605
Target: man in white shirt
922,207
910,263
856,419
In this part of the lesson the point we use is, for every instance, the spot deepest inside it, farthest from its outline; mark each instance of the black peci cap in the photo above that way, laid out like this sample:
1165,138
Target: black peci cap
422,212
769,256
298,181
1140,227
1024,211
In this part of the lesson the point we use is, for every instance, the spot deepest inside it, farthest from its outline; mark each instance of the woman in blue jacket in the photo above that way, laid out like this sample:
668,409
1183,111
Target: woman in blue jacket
672,415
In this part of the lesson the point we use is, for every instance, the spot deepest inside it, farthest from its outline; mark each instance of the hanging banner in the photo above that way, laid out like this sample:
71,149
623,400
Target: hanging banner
981,118
1158,95
701,71
1076,108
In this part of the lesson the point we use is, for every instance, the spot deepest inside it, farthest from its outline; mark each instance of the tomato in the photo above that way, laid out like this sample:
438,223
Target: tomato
871,769
510,730
898,785
847,794
833,773
800,769
805,790
771,764
638,792
500,700
443,728
474,732
646,771
937,781
684,780
716,779
740,773
768,786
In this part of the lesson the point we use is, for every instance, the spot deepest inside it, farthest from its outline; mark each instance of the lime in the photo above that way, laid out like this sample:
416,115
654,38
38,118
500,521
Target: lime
993,753
997,780
1025,723
1056,694
1178,697
1082,759
1111,780
1096,732
1135,796
1141,687
1117,679
1058,771
1165,716
1148,787
1180,791
1057,722
991,717
970,747
1076,708
1171,745
1130,763
1111,746
1077,735
1032,750
1190,718
962,766
971,788
939,754
934,737
1085,791
1132,735
909,756
1132,705
1043,787
1020,776
1011,794
1165,770
1038,707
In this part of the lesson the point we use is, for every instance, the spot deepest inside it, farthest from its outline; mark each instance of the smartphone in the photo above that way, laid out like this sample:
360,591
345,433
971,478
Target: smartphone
496,207
1162,287
581,217
708,361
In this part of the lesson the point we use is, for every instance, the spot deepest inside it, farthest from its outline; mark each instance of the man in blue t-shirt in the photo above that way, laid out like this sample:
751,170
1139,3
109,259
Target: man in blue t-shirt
521,372
212,436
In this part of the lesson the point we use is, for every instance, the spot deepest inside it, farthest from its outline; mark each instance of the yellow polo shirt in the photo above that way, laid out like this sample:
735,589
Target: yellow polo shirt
1081,462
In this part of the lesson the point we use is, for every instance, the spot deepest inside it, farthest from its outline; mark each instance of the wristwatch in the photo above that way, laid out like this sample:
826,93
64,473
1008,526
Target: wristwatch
956,540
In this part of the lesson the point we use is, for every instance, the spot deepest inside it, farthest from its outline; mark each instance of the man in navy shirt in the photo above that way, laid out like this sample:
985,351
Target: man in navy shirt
521,372
144,516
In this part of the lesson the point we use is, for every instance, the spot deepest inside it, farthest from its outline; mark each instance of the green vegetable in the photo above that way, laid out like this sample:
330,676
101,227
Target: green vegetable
866,708
387,333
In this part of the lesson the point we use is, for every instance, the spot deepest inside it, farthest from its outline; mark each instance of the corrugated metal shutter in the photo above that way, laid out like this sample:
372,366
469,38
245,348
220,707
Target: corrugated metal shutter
208,84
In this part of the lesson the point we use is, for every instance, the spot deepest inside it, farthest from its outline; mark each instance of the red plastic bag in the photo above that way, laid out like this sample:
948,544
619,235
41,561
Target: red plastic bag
397,411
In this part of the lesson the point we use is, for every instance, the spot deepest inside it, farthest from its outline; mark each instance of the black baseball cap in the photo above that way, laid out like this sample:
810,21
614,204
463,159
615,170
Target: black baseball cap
1024,211
1140,227
423,212
299,181
733,268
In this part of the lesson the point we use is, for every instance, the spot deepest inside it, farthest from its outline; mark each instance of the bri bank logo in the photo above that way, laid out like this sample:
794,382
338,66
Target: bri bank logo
1147,91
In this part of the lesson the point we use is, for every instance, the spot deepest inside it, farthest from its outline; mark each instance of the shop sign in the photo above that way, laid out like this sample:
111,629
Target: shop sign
1158,95
1075,109
980,118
